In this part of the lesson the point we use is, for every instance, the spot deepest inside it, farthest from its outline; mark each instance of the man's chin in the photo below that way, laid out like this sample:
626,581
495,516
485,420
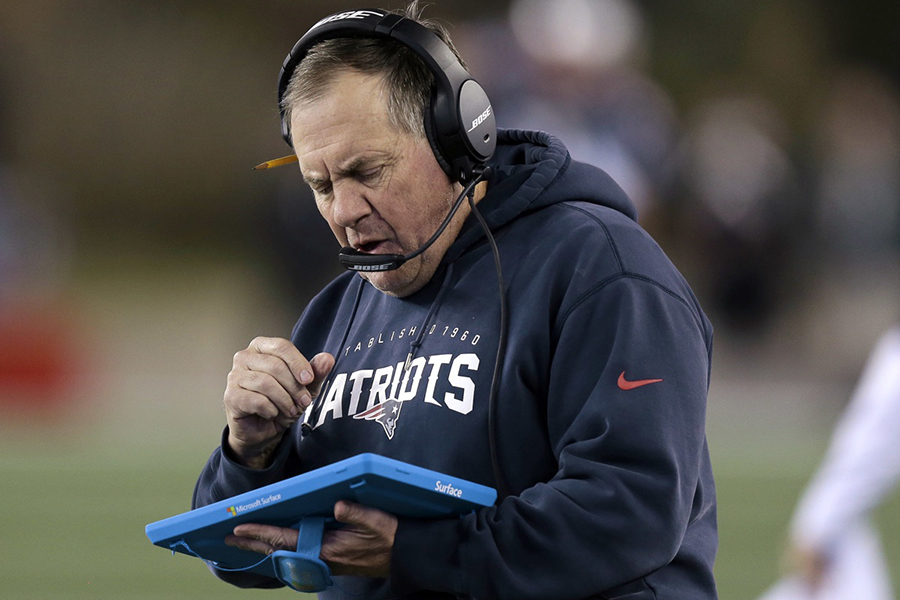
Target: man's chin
400,282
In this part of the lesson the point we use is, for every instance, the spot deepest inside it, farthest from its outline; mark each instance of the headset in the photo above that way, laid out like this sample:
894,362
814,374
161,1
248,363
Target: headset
459,119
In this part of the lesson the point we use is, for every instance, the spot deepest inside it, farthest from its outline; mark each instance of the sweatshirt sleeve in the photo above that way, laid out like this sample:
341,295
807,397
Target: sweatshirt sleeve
629,462
223,478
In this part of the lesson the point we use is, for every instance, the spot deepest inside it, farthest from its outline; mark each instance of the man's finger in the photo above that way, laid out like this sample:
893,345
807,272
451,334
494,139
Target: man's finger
249,544
269,387
321,364
360,515
250,404
348,512
268,536
273,365
286,351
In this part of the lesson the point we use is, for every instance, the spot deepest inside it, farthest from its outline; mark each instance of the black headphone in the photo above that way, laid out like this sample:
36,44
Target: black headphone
459,120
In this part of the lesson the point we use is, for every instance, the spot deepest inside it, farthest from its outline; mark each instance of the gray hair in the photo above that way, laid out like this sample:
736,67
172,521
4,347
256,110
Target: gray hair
407,80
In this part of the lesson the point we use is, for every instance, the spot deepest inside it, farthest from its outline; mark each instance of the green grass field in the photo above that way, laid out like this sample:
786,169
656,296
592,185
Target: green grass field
74,518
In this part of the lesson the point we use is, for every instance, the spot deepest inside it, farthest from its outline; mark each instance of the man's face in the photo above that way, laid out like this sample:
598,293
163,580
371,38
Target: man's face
380,189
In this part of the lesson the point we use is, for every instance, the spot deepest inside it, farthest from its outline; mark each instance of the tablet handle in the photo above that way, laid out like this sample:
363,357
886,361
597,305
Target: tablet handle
303,570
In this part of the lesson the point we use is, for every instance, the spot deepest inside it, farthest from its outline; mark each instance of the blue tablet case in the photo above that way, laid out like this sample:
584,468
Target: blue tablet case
306,502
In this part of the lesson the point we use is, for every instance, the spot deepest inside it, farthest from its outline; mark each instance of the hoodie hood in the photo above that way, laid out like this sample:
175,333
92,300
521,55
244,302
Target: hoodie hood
531,170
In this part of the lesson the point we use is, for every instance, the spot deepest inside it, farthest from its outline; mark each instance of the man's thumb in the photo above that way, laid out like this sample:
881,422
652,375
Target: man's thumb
321,364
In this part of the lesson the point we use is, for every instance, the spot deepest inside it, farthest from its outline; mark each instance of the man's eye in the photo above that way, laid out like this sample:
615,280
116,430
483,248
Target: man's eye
369,174
322,190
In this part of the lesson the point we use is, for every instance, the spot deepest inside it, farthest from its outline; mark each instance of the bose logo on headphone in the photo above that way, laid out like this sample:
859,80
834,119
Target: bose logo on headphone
352,14
480,119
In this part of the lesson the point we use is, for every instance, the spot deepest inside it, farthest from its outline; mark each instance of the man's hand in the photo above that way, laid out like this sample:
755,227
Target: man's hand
362,547
810,564
270,385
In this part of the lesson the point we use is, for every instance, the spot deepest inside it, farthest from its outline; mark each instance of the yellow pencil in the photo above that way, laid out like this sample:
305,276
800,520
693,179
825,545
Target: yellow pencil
278,162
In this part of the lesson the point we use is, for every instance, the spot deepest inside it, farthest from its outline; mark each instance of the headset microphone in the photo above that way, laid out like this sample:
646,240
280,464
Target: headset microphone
354,260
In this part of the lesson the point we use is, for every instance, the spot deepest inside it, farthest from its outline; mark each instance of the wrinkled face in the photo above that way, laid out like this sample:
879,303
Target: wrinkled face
380,189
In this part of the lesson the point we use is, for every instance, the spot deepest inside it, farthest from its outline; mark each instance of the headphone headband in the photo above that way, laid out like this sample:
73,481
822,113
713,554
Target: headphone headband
459,123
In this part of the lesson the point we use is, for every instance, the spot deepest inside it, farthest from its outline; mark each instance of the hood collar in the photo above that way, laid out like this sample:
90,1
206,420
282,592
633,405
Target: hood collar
531,170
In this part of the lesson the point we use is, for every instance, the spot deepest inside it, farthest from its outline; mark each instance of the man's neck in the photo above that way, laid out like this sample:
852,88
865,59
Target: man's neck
480,191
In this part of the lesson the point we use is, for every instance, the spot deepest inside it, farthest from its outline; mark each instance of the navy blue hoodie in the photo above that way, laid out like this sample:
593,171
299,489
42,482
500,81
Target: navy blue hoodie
610,489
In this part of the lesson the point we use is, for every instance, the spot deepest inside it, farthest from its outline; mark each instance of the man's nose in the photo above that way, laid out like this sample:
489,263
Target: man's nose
349,204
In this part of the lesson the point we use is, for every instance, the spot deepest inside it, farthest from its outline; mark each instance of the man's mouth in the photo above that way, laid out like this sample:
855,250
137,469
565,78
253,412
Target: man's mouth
371,247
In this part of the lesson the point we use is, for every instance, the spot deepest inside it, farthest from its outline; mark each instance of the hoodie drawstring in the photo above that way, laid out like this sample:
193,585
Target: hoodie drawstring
314,408
417,343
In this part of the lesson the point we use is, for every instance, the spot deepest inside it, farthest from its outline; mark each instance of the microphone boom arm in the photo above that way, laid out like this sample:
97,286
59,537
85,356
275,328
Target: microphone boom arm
354,260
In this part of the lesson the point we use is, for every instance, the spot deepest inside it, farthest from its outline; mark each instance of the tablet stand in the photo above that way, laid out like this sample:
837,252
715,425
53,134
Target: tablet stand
303,570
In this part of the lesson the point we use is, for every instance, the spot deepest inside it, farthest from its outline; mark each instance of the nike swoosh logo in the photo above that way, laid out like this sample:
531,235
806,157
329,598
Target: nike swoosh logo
626,385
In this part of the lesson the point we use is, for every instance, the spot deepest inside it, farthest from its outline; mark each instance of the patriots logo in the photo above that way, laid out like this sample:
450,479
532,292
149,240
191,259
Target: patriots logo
386,413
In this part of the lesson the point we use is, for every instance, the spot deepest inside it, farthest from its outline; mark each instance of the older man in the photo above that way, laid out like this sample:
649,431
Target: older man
587,414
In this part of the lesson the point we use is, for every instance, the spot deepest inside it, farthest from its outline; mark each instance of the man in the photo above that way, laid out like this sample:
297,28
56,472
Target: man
595,436
834,549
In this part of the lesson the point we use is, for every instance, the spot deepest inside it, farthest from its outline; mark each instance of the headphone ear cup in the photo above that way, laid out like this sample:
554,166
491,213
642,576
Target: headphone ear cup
432,141
478,126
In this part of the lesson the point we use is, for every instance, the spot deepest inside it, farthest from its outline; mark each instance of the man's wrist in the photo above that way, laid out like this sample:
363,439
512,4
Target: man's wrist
253,457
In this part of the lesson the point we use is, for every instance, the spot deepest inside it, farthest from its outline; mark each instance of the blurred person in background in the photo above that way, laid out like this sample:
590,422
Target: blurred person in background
42,356
834,552
587,414
858,145
577,72
41,352
745,196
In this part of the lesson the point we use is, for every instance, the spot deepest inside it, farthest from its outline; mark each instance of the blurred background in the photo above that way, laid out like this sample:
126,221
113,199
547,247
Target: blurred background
139,251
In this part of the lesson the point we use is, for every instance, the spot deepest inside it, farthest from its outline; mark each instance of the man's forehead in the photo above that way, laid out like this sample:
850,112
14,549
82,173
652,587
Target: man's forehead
351,97
321,170
348,122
